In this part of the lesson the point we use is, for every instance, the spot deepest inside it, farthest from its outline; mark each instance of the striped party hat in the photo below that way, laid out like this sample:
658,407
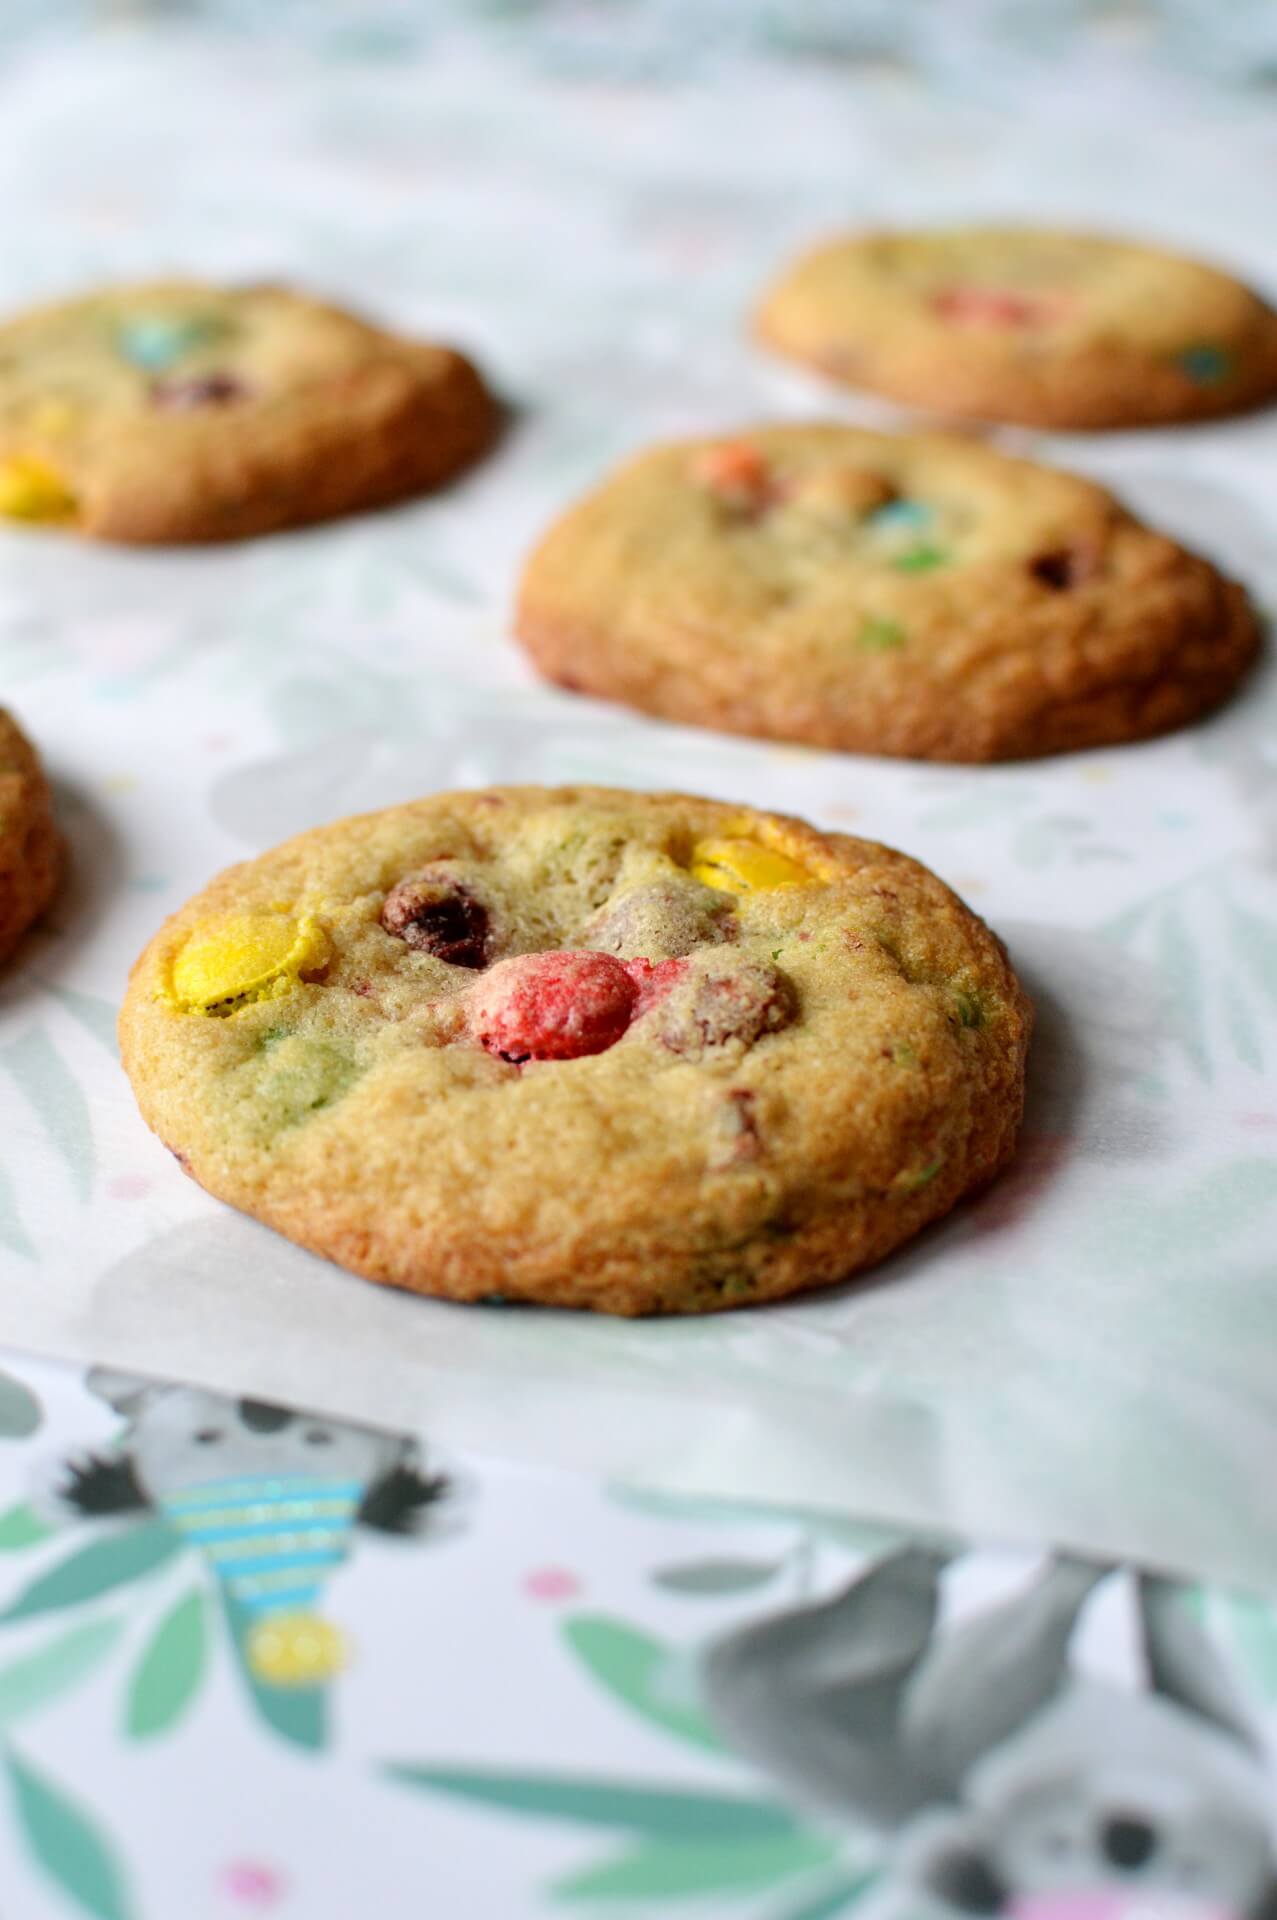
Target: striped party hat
272,1540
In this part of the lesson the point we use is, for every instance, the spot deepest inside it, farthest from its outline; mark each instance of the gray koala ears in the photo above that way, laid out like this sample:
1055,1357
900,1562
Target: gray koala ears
128,1393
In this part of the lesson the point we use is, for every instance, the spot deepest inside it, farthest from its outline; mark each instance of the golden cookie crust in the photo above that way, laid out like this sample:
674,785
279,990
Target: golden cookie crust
684,1169
1047,328
916,595
30,844
177,412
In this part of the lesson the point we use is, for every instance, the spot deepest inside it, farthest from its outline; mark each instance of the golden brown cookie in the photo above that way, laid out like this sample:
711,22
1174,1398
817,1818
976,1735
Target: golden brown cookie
916,595
1021,323
638,1052
183,412
30,844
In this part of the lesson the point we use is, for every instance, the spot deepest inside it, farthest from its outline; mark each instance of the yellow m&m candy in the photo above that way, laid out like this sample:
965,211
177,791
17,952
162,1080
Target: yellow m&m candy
242,957
296,1650
745,866
32,489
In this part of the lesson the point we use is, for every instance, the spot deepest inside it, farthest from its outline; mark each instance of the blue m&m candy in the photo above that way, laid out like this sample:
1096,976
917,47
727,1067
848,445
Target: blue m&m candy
155,341
1206,366
904,516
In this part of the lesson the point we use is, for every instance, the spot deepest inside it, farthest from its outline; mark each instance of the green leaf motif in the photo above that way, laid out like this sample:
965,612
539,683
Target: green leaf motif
55,1668
670,1814
446,580
1124,925
1255,942
68,1845
97,1569
707,1509
1242,1030
1194,1602
992,802
168,1675
12,1232
835,1899
20,1411
1154,1230
1182,970
96,1015
1250,1625
58,1099
21,1527
309,708
297,1714
715,1576
632,1666
674,1872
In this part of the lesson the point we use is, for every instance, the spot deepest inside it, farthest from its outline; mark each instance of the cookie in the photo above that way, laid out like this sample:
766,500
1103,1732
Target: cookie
637,1052
183,412
30,845
884,594
1047,328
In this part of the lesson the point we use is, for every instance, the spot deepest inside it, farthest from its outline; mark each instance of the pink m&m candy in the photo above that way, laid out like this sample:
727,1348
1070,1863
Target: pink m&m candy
968,306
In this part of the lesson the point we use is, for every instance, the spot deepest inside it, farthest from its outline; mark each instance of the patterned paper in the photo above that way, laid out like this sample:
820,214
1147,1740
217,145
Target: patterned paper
1084,1353
560,1697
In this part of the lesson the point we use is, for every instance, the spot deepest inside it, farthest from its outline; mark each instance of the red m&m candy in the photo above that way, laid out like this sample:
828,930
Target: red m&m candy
551,1006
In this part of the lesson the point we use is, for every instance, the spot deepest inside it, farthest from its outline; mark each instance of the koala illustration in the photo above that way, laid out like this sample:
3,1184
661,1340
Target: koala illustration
270,1496
996,1774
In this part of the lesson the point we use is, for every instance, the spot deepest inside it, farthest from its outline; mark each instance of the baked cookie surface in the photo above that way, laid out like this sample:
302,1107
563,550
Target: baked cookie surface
1048,328
183,412
30,844
890,594
637,1052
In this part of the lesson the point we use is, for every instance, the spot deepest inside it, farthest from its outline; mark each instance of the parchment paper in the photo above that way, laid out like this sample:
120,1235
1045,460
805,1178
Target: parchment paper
1085,1354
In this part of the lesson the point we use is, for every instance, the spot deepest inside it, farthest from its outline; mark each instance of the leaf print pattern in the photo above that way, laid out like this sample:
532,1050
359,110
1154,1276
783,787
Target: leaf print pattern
20,1527
96,1569
168,1675
55,1668
672,1873
20,1410
715,1576
636,1668
217,638
68,1844
12,1233
96,1015
57,1098
662,1814
1217,955
691,1842
836,1898
1247,1623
